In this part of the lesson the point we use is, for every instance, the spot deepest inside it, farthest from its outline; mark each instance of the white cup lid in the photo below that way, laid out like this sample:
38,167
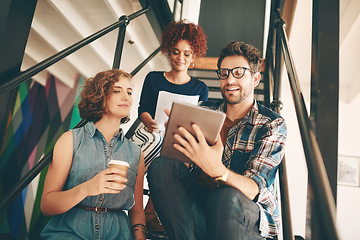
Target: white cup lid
119,162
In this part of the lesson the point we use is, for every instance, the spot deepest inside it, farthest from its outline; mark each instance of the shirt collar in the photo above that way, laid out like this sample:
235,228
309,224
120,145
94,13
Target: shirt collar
90,127
250,117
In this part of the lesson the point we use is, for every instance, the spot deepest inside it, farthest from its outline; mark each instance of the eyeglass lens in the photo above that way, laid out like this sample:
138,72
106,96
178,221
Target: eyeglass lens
237,72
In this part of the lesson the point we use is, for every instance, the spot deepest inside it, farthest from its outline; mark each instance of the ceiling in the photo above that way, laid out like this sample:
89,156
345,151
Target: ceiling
57,24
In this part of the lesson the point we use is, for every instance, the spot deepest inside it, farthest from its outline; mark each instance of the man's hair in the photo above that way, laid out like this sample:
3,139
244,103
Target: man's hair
176,31
93,97
248,51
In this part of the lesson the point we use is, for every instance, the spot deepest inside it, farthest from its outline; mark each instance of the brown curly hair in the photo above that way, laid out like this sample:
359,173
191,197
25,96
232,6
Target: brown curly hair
181,30
92,103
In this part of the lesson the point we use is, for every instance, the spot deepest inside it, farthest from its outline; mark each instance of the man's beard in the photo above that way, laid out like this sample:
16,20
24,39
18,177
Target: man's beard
229,101
233,100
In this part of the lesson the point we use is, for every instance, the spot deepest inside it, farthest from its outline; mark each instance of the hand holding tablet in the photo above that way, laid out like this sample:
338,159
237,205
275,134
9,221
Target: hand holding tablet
183,114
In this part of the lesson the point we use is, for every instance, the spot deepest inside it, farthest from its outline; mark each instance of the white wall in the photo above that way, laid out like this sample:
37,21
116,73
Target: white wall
347,210
347,196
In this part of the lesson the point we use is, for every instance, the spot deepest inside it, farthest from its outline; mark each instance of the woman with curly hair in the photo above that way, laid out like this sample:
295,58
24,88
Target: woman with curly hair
86,197
182,42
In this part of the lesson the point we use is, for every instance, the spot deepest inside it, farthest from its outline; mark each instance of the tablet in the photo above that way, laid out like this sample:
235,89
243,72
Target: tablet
183,114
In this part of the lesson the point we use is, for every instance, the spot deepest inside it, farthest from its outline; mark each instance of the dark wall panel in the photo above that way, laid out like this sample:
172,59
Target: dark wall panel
15,21
227,20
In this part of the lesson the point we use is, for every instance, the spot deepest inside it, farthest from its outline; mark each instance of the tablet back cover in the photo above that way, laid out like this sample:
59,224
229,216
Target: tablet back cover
183,114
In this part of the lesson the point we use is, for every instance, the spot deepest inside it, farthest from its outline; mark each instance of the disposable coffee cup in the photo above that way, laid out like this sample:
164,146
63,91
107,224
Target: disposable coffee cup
120,164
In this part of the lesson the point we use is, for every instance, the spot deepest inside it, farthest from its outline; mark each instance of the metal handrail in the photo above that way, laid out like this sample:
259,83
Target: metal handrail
141,65
324,199
23,76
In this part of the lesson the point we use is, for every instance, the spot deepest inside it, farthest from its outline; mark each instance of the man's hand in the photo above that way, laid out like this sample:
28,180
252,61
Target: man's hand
208,158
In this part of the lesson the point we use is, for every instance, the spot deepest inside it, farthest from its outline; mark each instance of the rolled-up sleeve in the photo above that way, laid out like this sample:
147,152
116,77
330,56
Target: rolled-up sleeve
269,149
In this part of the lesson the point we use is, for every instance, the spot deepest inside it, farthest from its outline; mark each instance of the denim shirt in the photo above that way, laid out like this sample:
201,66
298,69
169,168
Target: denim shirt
91,154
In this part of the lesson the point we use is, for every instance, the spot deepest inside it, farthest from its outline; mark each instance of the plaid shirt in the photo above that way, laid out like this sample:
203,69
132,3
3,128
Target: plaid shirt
254,148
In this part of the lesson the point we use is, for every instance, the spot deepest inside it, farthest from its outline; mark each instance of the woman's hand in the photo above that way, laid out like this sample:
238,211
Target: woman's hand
167,112
151,125
149,122
55,200
136,213
107,181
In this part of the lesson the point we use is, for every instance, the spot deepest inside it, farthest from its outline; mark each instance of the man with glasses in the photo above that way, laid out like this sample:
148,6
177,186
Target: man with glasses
242,164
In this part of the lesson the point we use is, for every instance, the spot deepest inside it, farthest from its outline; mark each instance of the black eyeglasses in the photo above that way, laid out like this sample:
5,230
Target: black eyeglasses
237,72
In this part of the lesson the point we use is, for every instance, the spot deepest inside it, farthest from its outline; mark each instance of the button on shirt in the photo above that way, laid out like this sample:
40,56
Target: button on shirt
254,148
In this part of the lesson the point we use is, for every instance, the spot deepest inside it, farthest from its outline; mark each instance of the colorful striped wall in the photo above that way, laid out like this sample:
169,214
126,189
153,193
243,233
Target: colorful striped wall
39,116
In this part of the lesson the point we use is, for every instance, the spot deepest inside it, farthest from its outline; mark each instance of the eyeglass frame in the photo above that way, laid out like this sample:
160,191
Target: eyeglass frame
231,70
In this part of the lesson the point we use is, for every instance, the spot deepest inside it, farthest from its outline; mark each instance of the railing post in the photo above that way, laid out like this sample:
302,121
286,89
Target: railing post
175,7
324,103
277,105
269,62
120,42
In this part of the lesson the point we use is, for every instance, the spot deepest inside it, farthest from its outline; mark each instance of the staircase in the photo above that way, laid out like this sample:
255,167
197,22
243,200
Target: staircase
41,36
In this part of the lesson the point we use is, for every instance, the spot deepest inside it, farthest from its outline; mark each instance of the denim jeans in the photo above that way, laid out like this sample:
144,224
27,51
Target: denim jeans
189,211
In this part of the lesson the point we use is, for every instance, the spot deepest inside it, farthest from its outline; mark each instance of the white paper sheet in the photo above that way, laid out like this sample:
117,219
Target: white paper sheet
165,100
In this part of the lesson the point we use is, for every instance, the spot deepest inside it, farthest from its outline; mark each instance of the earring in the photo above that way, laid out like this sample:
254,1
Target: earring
125,119
192,65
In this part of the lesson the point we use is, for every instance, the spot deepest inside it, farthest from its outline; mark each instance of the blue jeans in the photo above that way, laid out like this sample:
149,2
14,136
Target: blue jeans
189,211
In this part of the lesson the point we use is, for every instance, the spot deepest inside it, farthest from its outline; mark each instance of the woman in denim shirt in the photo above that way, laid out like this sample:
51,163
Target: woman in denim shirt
86,197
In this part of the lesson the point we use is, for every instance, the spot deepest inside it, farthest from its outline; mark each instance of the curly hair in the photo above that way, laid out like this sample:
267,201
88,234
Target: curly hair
93,97
176,31
251,53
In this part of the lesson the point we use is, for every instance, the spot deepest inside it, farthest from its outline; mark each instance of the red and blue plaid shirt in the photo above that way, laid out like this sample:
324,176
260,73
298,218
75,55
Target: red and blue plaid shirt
255,148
